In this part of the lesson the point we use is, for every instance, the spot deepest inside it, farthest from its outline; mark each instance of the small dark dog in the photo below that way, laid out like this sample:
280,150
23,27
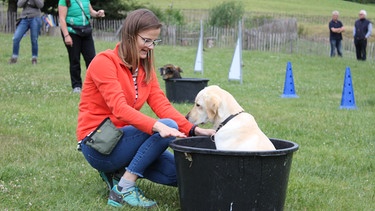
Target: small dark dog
169,71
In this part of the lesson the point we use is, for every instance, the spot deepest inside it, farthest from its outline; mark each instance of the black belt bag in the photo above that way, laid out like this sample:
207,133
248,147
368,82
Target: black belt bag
104,138
82,31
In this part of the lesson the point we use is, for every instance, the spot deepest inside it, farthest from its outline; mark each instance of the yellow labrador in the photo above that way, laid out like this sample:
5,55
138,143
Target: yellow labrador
235,129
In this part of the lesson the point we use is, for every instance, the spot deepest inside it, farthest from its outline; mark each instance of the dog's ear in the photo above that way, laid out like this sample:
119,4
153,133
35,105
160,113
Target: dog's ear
213,102
178,69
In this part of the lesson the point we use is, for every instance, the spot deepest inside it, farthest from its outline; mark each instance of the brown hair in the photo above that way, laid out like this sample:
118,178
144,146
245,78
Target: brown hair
136,22
68,4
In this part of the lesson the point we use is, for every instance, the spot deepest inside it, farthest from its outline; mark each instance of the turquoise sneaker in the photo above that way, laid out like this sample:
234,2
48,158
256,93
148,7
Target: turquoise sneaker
134,197
110,179
107,178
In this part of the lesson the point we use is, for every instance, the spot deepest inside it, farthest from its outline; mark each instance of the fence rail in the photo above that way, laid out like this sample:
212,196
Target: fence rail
261,32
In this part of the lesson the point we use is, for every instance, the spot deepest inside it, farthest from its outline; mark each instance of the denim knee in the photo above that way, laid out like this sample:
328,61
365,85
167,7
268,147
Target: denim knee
169,122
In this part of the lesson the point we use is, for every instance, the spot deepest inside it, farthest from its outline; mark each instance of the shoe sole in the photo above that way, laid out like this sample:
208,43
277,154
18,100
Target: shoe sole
105,179
114,203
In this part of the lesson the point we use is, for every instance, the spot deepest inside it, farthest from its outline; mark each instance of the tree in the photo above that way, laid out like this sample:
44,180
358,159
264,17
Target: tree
50,7
226,14
172,17
12,6
115,9
12,15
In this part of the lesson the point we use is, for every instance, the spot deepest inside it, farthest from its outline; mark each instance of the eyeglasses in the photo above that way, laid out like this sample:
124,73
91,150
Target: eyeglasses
149,42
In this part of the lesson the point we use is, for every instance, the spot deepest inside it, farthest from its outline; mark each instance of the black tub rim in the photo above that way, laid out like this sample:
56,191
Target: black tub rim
187,149
187,79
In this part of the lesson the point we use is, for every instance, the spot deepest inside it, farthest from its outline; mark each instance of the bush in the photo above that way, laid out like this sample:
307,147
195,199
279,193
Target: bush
226,15
173,17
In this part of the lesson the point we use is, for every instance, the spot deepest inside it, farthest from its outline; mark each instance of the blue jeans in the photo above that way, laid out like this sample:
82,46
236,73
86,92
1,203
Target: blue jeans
140,153
34,25
336,45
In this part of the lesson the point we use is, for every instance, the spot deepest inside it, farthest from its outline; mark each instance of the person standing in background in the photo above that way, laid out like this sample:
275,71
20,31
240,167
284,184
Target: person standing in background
361,32
30,19
335,34
77,13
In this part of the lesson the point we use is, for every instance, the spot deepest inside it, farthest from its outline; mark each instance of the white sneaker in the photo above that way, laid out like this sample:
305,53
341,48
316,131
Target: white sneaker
77,90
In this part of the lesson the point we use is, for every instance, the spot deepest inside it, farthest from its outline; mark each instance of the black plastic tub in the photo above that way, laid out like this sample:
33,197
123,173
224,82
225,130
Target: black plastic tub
181,90
210,179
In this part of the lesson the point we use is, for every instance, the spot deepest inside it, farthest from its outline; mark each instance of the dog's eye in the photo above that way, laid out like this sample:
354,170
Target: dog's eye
197,104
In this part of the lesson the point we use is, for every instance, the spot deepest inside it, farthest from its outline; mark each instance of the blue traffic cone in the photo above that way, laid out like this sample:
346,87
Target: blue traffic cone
347,99
289,91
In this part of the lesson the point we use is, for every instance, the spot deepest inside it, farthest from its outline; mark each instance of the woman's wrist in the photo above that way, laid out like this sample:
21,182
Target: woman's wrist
65,36
192,131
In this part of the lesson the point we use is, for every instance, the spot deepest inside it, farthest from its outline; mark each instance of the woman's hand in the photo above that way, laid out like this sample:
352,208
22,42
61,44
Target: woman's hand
96,14
100,14
166,131
68,40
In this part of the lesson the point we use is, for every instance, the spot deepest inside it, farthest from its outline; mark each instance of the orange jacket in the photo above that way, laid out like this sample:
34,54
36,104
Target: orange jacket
108,91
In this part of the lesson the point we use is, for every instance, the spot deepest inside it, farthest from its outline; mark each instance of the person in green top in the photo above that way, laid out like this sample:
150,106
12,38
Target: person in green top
77,13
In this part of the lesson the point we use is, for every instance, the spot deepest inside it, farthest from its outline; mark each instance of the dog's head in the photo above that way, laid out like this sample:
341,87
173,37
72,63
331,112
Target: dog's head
212,104
169,71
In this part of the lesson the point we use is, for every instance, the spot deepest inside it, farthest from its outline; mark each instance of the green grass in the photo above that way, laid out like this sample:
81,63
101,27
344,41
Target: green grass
333,169
312,16
310,8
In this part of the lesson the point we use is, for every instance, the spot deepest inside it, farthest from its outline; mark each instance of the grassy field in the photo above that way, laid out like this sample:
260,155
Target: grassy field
333,169
315,8
307,11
